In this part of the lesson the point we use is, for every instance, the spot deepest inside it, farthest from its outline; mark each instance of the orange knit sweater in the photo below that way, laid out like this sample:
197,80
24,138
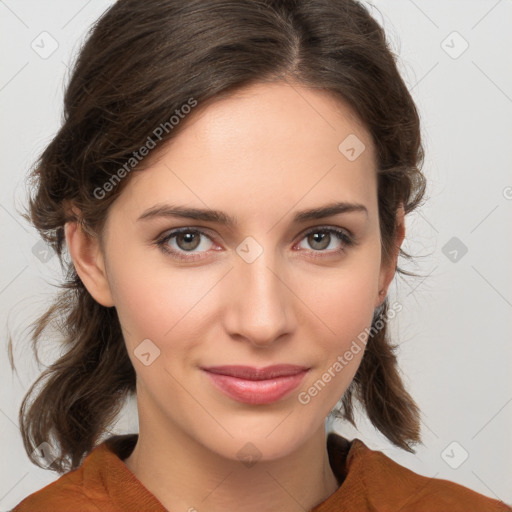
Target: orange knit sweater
369,482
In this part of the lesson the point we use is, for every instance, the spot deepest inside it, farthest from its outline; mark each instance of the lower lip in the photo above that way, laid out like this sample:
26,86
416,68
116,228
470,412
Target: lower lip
256,391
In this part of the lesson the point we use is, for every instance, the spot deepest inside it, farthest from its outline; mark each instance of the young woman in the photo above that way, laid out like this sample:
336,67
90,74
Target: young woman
230,182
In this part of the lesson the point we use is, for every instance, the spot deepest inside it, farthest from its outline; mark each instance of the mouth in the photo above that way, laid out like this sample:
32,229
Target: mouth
254,386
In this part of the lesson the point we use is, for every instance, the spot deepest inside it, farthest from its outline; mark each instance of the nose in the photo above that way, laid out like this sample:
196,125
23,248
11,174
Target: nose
259,303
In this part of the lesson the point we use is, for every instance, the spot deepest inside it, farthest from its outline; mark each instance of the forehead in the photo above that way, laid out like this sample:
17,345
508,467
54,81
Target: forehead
287,117
267,146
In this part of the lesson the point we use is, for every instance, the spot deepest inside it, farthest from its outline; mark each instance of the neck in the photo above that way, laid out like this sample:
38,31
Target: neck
185,475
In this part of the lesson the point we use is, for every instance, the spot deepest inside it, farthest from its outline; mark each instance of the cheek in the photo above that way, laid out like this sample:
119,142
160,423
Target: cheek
344,302
344,297
154,301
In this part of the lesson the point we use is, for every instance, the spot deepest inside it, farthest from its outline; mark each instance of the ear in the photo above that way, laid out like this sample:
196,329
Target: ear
388,268
85,251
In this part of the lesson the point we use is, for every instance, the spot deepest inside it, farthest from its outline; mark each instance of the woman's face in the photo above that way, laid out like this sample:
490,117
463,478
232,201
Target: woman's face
268,289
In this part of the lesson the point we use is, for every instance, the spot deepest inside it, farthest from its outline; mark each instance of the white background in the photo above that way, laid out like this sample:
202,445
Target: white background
455,327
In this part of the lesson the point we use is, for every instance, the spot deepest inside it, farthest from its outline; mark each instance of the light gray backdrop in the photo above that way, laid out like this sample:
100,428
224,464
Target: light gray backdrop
455,327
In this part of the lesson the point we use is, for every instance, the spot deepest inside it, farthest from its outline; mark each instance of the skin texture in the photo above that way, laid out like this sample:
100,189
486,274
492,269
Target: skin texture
261,155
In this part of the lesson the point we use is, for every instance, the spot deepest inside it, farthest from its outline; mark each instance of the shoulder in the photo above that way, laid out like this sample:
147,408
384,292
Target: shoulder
387,485
87,488
66,493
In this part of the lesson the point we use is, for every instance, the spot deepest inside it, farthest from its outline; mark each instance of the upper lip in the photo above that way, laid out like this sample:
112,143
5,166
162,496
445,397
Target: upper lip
251,373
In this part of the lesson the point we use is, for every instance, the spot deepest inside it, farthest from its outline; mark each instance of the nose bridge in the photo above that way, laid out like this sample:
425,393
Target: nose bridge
260,308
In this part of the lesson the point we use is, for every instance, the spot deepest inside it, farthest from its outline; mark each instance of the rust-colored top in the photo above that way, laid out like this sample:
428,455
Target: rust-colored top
369,482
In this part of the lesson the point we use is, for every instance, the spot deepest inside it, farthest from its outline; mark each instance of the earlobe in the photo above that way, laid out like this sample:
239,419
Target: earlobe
85,251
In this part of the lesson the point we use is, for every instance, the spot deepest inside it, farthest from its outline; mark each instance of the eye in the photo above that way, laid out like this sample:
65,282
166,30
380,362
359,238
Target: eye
187,243
184,242
320,238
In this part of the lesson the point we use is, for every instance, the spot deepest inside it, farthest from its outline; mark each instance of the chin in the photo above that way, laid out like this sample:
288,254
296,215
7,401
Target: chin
262,440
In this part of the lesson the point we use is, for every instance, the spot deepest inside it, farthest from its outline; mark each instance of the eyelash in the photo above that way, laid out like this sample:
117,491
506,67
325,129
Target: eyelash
347,239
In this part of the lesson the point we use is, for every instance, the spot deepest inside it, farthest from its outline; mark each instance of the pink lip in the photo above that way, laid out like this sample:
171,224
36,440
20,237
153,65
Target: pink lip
256,385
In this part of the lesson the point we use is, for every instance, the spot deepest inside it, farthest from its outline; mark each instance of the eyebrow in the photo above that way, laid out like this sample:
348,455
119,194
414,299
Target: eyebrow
219,217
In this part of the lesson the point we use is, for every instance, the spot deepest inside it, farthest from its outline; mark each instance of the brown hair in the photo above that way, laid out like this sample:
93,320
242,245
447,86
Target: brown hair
143,60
